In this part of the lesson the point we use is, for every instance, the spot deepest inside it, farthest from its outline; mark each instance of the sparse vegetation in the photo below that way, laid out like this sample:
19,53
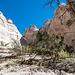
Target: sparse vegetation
63,53
3,44
69,22
16,47
26,49
11,63
46,46
72,15
48,51
52,47
74,4
1,68
49,46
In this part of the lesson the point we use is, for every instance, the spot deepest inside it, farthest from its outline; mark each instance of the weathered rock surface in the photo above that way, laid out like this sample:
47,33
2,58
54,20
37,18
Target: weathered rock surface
59,26
29,34
8,31
6,52
23,41
46,26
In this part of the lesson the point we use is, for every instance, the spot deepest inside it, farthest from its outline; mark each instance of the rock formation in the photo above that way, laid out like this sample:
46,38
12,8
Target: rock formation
63,23
23,41
29,34
8,31
46,26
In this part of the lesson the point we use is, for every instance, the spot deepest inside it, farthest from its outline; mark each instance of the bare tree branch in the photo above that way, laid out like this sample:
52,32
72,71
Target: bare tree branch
71,4
50,2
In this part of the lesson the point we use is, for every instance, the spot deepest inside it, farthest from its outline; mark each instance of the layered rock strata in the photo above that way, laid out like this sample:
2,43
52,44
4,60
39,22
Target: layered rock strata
8,31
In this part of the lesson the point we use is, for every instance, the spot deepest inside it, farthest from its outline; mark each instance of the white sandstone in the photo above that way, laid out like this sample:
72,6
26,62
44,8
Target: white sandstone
8,31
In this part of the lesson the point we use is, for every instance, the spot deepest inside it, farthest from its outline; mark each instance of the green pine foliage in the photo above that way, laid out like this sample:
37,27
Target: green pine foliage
48,45
69,22
72,15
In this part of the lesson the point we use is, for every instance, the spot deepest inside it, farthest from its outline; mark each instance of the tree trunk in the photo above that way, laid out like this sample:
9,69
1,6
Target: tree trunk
70,3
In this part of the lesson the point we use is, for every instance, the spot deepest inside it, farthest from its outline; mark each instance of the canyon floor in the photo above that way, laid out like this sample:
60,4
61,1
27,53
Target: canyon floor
11,67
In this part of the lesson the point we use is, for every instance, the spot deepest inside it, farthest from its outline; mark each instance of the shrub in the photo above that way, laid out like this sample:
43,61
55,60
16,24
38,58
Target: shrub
48,45
10,63
40,63
26,49
3,44
16,44
74,5
69,22
63,53
1,68
16,47
72,15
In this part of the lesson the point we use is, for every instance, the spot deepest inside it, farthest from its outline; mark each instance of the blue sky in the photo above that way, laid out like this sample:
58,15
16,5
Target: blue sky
26,12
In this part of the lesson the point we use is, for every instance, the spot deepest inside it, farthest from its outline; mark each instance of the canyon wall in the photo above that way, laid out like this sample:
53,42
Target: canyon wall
62,24
8,31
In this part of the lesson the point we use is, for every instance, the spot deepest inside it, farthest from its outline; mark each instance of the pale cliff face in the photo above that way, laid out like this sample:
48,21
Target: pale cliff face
9,21
8,31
